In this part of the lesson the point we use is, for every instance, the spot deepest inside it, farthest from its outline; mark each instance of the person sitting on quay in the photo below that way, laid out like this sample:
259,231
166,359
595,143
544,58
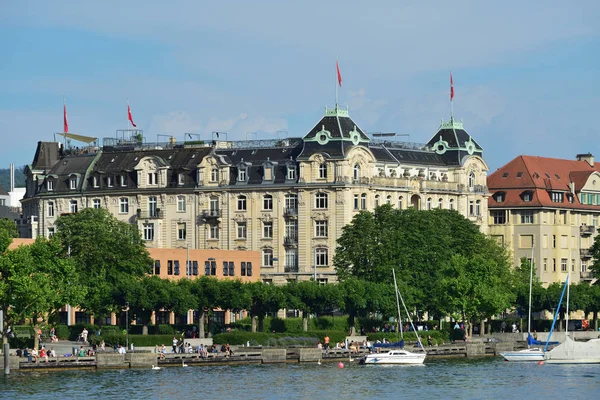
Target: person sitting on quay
27,353
319,345
228,351
121,350
44,354
52,353
34,355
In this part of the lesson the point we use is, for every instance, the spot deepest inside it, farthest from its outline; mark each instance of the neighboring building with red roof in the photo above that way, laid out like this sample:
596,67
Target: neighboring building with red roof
549,205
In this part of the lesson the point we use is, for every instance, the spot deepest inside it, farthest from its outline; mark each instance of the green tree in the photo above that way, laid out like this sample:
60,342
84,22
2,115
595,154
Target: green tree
148,294
205,291
37,280
362,297
109,255
8,231
521,275
595,252
265,299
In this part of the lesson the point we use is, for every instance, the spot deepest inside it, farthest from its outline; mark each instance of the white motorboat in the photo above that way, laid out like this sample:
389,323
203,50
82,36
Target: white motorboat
394,357
531,354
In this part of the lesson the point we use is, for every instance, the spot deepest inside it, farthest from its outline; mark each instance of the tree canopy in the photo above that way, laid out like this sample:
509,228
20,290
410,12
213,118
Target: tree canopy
108,254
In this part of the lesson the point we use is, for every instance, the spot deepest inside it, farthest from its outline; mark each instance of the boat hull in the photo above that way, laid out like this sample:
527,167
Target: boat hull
524,355
406,358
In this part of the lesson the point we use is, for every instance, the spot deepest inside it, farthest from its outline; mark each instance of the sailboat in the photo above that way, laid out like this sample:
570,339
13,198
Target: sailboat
398,356
530,353
570,351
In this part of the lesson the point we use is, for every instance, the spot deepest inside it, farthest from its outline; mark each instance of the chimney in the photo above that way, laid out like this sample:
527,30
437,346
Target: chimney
12,177
586,157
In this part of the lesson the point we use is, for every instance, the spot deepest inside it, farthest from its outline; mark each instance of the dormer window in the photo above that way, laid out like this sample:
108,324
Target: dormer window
291,172
123,179
356,173
269,171
323,171
242,174
152,178
557,197
110,181
50,185
214,174
73,183
95,182
499,197
181,179
526,196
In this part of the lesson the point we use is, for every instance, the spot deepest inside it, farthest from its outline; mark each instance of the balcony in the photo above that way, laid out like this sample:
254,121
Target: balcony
290,268
587,230
585,254
151,214
290,212
290,241
586,275
211,214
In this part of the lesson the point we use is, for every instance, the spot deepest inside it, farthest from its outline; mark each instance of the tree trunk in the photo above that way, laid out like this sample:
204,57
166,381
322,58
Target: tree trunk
261,323
304,321
351,323
596,321
36,337
145,329
201,324
482,327
253,319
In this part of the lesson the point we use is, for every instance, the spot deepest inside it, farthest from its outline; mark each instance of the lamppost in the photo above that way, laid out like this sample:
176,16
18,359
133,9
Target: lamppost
127,326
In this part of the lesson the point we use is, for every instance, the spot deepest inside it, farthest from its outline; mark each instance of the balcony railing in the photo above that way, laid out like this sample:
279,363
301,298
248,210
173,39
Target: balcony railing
586,275
585,253
152,214
290,212
290,241
290,268
587,230
211,214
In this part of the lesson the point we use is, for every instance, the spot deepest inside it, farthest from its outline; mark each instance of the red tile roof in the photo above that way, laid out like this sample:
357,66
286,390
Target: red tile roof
540,175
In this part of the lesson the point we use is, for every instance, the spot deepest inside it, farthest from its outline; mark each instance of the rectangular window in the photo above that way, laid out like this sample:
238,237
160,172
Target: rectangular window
73,183
213,268
206,267
291,259
322,281
123,205
321,257
180,203
214,231
243,273
563,265
156,267
123,180
241,230
51,209
471,208
557,197
291,173
95,182
73,206
181,179
96,203
321,200
545,265
291,229
267,258
583,266
356,204
51,232
110,181
195,268
267,230
214,175
572,265
170,267
323,171
363,201
268,202
231,268
241,203
249,268
499,217
527,217
321,228
177,270
553,241
225,268
242,175
152,178
148,231
50,185
181,231
554,265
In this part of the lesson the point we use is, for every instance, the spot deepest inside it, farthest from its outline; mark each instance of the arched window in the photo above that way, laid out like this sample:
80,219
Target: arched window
241,203
471,180
478,207
451,202
363,201
376,200
441,203
389,200
356,172
400,202
429,203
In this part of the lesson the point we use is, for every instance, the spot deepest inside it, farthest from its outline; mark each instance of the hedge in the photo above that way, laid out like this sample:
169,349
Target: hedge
310,338
438,337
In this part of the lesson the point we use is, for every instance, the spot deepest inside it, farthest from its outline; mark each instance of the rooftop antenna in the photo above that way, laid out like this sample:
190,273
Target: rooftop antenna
189,135
252,133
218,135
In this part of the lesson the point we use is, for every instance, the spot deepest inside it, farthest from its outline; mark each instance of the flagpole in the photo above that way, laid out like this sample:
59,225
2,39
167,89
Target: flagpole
128,127
336,82
451,97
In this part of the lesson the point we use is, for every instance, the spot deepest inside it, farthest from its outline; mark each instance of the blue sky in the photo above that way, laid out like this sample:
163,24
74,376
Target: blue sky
526,74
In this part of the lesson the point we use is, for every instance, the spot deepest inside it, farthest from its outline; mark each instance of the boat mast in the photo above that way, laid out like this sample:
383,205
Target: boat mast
567,313
408,316
398,305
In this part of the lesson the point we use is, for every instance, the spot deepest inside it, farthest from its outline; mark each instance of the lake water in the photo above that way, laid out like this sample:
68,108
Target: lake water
484,378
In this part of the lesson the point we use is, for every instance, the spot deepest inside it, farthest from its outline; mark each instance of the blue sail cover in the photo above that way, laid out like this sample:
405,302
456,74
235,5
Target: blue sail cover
390,345
533,342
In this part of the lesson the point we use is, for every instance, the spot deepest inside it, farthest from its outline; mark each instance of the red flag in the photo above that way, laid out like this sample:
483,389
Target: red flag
451,87
65,120
339,75
129,117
